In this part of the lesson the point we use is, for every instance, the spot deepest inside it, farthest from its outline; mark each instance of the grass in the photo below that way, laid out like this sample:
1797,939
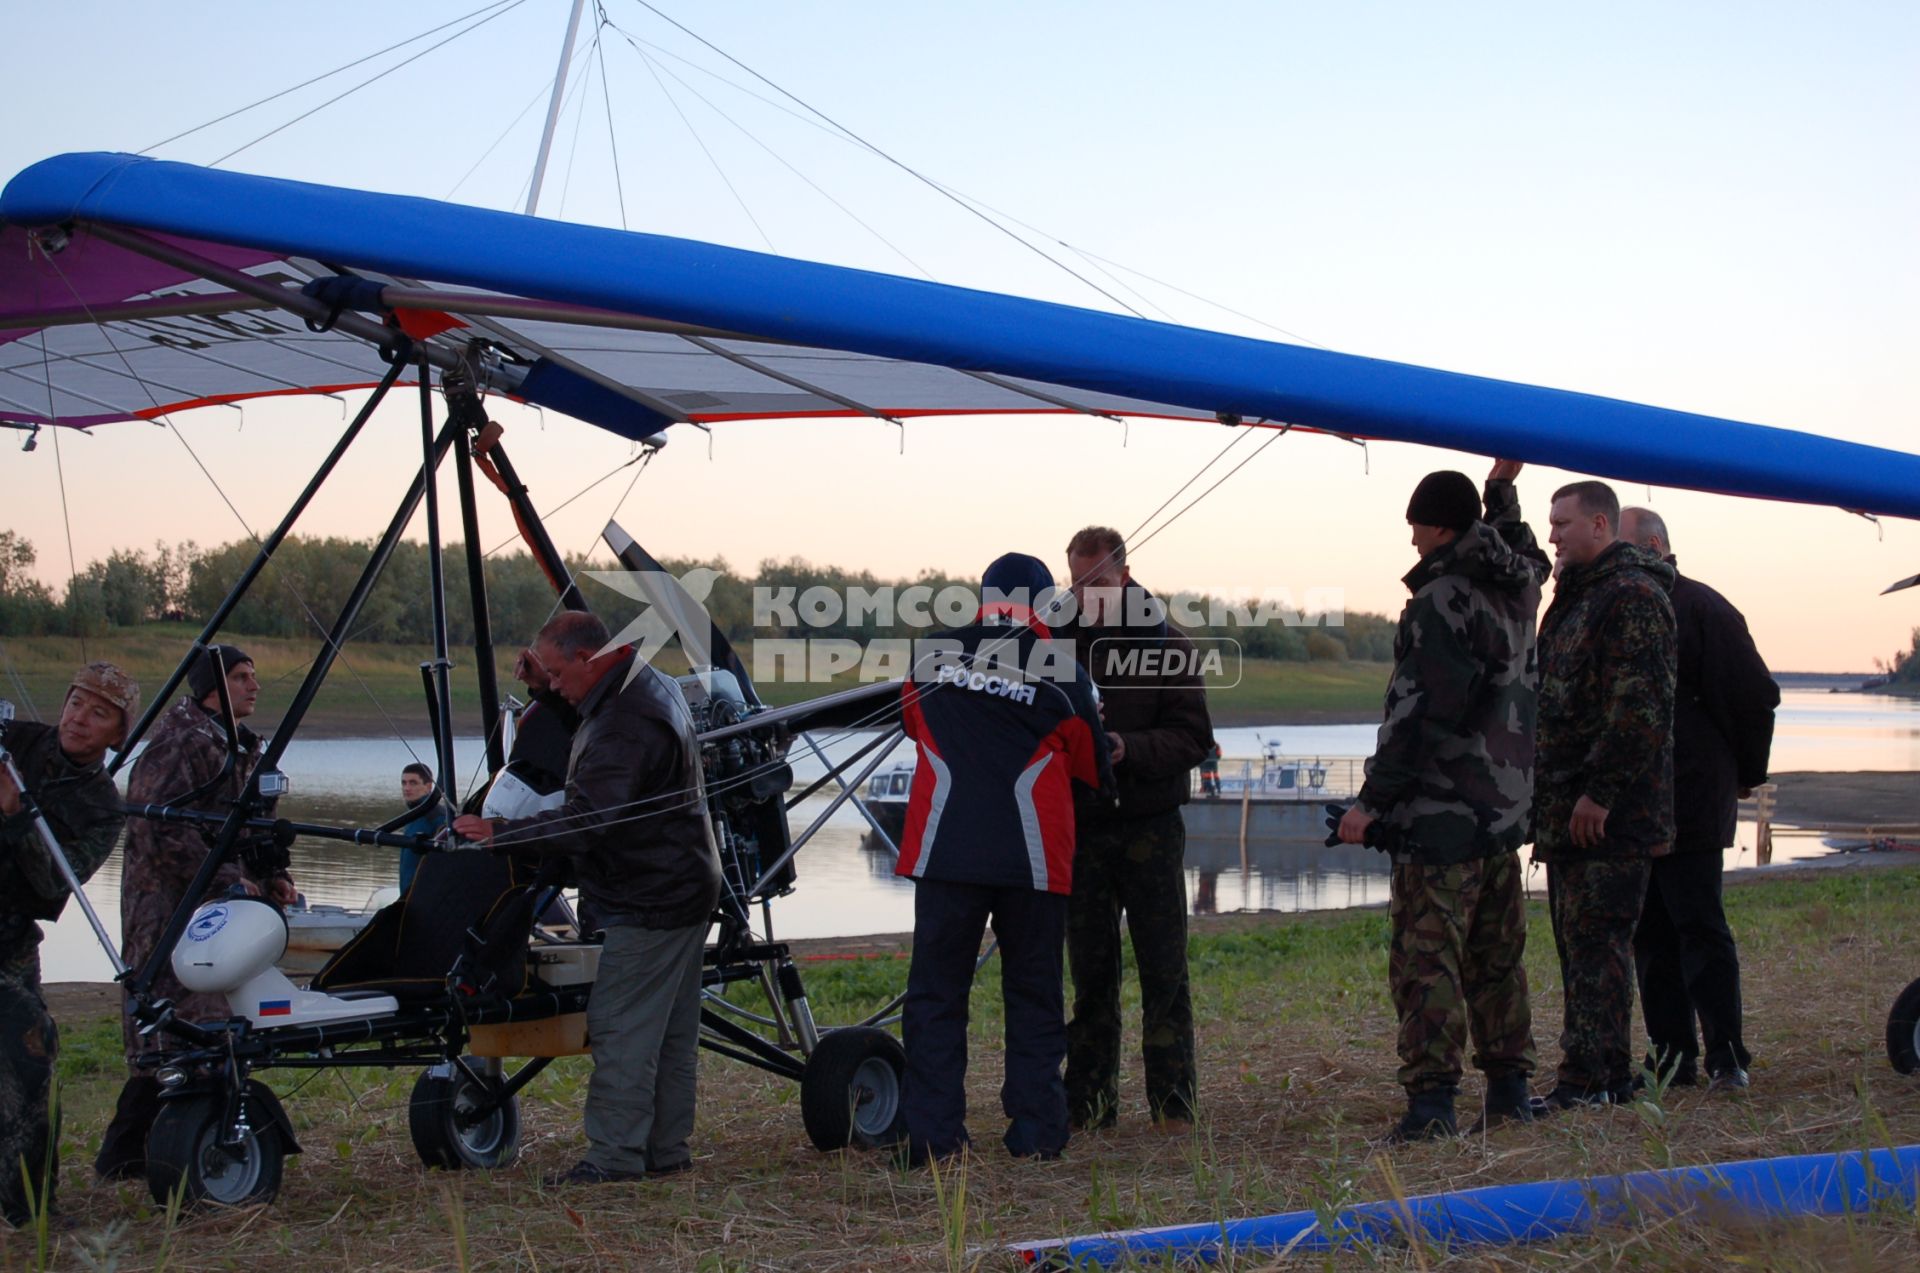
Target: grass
375,689
1296,1035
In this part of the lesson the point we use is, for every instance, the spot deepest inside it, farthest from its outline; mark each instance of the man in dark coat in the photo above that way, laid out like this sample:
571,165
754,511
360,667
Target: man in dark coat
66,781
1683,950
1007,728
187,764
1452,779
1603,777
634,828
1131,857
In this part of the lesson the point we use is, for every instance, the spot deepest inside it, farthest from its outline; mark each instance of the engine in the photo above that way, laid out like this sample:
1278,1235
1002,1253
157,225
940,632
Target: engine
745,774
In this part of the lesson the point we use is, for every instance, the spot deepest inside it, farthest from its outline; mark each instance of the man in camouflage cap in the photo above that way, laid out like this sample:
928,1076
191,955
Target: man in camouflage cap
187,765
1450,785
63,767
1603,790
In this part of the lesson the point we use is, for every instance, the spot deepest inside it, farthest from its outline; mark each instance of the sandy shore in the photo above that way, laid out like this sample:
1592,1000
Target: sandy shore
1848,801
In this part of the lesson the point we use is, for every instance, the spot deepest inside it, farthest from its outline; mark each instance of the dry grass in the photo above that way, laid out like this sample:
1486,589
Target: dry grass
1297,1076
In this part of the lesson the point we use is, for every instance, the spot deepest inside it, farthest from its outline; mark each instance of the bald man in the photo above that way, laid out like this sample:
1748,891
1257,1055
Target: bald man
1684,954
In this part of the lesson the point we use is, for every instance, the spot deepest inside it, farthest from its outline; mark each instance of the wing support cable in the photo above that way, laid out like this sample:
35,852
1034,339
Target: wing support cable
164,698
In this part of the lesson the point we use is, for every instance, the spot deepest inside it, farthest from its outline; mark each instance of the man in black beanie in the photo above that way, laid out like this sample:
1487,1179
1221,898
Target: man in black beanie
187,764
1450,785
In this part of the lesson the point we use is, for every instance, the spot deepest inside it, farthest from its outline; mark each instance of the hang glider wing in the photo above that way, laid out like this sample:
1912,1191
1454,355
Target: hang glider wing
132,287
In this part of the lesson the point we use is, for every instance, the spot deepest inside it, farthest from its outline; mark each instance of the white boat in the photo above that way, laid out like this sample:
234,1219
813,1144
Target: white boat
1282,795
316,929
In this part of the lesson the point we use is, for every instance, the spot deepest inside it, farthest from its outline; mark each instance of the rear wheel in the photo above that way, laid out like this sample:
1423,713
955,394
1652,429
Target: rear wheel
193,1150
449,1130
1903,1030
851,1091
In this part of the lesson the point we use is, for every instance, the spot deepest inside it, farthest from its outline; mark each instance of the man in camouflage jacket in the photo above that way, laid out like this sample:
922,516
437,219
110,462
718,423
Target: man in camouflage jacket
66,780
186,765
1451,786
1603,777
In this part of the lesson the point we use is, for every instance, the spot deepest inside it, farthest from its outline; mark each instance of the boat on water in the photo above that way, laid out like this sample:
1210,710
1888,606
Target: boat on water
316,929
1277,797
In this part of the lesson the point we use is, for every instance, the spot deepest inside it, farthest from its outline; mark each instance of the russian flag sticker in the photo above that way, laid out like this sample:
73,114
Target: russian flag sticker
276,1008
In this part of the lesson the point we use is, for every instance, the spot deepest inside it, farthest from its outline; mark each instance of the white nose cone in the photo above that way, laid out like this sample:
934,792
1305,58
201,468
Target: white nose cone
229,942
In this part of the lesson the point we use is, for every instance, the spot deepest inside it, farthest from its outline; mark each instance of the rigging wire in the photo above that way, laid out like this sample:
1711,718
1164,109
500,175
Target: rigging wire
533,101
339,651
345,66
962,196
1278,433
708,152
909,170
498,12
19,682
579,117
60,470
577,76
606,96
777,157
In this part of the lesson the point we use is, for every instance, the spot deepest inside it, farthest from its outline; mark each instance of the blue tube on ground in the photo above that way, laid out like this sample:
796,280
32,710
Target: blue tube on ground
1759,1188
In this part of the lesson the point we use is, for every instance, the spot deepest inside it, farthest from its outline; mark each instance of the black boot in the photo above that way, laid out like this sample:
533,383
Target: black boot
1429,1116
123,1149
1508,1101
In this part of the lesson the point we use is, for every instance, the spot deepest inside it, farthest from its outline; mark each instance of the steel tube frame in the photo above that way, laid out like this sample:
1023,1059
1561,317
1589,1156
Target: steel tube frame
250,801
163,699
441,700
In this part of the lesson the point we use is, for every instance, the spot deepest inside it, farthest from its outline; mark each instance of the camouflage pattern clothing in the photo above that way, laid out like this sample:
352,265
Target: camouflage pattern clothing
184,765
1608,658
83,809
1452,775
1459,939
1452,771
1595,905
1136,865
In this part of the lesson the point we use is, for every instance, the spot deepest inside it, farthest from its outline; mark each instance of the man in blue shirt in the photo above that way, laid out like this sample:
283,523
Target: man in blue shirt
422,797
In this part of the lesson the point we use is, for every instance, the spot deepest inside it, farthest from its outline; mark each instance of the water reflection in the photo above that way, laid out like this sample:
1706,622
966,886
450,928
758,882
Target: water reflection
846,886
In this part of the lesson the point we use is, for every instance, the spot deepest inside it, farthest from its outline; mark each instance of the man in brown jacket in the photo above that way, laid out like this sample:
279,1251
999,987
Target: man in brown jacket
1129,857
634,827
187,764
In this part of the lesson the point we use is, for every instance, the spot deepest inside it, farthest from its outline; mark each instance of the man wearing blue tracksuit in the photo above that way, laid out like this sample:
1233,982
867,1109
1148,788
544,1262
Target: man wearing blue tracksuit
1006,723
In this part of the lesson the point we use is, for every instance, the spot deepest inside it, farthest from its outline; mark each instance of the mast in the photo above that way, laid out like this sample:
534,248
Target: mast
553,108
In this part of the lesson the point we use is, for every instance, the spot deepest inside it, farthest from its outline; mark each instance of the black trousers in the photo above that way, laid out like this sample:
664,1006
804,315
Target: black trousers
948,922
1688,967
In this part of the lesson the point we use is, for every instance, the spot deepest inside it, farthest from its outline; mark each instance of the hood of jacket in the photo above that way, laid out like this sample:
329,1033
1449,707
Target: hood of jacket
1481,555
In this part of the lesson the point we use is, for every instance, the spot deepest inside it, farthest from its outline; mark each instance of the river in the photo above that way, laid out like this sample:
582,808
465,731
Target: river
846,886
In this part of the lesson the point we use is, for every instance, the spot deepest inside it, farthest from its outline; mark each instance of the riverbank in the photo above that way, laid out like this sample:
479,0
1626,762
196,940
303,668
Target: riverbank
374,691
1296,1071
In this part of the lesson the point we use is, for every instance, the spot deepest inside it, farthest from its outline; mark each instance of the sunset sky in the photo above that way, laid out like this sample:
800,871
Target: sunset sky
1709,207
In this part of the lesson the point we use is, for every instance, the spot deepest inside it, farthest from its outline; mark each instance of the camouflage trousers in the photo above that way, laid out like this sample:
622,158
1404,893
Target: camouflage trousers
29,1044
1596,906
1135,867
1456,968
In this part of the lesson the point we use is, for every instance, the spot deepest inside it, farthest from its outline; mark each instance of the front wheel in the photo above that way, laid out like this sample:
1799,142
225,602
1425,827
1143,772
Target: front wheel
453,1127
850,1093
1903,1030
193,1151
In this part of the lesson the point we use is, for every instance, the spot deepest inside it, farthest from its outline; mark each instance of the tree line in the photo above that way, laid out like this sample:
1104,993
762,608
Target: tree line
309,579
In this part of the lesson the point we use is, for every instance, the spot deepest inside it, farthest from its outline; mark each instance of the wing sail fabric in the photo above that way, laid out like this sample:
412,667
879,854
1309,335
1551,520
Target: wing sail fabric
799,339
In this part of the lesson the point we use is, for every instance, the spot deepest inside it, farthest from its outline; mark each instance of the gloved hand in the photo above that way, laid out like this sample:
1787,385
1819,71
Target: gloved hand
1379,835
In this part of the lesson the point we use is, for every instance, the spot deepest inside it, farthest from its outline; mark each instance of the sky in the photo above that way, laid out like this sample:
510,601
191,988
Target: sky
1709,207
